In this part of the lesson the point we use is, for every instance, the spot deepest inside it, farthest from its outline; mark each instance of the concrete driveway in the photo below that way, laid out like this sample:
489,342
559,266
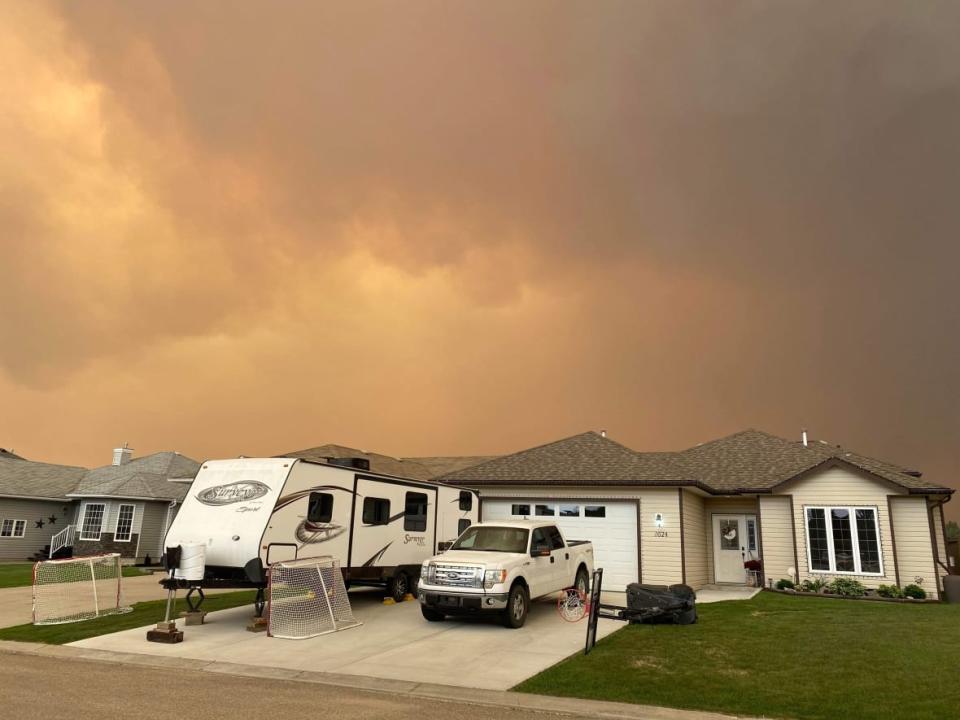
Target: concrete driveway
394,643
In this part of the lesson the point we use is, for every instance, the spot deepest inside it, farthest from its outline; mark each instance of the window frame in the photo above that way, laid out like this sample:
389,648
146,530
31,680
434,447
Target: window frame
412,522
855,539
551,506
377,521
515,506
466,501
13,528
83,521
595,511
116,524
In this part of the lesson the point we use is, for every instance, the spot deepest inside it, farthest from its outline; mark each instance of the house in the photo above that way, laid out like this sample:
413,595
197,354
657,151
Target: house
801,509
123,507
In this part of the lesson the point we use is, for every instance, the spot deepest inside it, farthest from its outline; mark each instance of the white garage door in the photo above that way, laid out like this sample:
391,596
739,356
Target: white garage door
610,525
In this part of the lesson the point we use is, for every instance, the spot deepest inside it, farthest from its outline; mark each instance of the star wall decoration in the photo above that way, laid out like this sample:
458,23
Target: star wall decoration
52,519
39,523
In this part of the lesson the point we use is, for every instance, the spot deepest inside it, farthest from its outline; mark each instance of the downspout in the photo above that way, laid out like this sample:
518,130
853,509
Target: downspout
166,527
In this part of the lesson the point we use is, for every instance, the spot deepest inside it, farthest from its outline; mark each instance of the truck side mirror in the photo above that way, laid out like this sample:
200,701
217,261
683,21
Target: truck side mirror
540,551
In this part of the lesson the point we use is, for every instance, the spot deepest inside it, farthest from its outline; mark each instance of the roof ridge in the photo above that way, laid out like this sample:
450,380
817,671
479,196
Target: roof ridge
495,458
724,437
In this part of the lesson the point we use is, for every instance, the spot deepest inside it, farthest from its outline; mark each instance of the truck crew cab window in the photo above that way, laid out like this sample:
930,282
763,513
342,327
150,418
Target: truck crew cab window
320,509
539,539
466,500
376,511
556,539
415,512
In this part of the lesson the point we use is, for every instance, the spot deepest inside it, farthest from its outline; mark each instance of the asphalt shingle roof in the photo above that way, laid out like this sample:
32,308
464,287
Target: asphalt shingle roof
749,461
415,468
35,479
145,477
585,459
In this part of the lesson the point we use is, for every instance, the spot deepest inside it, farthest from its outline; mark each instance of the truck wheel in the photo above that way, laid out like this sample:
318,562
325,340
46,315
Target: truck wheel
582,581
398,587
431,615
518,603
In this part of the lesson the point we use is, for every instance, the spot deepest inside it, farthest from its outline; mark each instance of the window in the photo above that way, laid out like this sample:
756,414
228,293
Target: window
462,525
545,510
124,528
320,508
92,521
466,500
595,511
844,540
376,511
13,528
556,539
520,510
415,512
751,534
539,539
569,511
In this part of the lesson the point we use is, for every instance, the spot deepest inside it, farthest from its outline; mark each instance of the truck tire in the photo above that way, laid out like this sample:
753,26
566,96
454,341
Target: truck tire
518,604
431,615
582,581
398,587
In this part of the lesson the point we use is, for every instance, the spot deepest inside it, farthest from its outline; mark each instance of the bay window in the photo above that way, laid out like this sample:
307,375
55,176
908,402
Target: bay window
843,540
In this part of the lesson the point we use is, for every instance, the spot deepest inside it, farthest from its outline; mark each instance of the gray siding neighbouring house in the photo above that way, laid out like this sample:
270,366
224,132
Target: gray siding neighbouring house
153,529
35,538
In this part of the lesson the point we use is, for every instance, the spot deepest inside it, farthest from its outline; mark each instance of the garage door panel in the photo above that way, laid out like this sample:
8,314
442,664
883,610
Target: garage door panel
614,536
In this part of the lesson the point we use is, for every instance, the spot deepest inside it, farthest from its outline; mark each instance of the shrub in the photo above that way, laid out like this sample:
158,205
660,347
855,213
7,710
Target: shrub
784,584
847,587
813,586
889,591
914,591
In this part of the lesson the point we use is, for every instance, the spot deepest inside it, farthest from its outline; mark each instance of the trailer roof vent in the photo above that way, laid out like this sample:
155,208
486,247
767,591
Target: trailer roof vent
350,462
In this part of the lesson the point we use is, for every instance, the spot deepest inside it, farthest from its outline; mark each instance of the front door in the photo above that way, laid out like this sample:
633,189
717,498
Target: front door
734,541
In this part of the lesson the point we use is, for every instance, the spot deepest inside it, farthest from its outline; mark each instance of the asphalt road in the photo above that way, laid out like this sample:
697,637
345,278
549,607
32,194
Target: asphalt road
34,685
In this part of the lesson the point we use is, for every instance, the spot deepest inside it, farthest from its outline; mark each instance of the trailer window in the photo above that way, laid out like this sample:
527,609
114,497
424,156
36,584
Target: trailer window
415,512
462,525
376,511
320,509
466,500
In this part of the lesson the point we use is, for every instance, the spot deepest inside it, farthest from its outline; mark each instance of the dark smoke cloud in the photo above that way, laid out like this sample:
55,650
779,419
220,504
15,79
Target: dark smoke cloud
672,219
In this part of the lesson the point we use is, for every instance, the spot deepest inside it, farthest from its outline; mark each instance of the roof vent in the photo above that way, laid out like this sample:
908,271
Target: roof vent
122,455
350,462
603,433
803,436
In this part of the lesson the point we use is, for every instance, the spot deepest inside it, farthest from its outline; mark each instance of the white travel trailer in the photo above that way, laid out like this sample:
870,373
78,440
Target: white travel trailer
250,512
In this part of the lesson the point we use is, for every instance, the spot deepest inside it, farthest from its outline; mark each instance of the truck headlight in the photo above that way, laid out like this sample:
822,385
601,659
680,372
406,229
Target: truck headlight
428,572
493,577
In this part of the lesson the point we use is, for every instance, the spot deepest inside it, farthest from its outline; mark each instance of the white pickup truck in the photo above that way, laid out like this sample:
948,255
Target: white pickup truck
500,567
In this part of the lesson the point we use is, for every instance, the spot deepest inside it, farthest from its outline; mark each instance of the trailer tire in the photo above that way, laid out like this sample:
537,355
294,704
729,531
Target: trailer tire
518,604
431,615
398,586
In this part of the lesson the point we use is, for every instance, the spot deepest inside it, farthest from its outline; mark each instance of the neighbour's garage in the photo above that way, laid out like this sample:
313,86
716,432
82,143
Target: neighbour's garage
610,525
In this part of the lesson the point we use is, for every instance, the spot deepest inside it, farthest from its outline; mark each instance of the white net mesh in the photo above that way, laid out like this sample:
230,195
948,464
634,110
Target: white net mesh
307,598
75,589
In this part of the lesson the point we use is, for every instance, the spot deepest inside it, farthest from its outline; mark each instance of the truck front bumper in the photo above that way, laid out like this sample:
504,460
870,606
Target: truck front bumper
453,602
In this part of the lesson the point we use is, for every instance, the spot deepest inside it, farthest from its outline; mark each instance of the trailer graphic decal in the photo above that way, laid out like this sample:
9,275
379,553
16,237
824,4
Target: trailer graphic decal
376,558
317,532
233,493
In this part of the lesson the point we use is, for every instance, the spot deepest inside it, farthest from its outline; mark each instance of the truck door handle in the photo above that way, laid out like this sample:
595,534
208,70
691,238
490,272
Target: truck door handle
567,555
552,559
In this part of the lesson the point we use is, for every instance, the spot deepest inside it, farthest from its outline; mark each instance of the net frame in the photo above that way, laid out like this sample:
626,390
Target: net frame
307,598
95,589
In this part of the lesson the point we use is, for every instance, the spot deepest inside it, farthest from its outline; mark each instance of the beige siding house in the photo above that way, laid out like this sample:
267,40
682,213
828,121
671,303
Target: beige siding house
750,508
125,507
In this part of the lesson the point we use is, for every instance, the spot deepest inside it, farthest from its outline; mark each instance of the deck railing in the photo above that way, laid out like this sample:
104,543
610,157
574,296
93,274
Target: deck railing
62,539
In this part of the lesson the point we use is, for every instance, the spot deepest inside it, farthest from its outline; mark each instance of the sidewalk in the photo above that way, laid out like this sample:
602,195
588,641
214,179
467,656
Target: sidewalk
16,604
489,698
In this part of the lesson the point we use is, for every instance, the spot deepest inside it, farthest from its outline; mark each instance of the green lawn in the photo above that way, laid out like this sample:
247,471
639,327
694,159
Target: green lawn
779,656
21,574
145,613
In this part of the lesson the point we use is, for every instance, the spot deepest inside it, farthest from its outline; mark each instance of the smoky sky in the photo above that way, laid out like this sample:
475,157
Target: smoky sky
449,227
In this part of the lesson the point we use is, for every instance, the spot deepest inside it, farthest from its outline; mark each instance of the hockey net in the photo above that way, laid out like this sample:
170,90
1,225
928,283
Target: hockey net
75,589
307,598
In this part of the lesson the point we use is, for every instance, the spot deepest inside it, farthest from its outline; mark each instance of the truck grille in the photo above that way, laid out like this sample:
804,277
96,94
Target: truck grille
458,576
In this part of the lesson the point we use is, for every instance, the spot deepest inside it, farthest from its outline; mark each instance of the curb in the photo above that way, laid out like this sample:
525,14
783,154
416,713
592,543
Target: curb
444,693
